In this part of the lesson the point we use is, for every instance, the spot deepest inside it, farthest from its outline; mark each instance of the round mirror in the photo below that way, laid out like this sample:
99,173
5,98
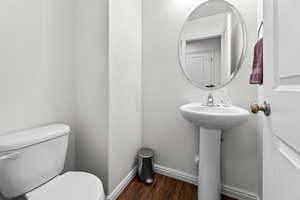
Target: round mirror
212,44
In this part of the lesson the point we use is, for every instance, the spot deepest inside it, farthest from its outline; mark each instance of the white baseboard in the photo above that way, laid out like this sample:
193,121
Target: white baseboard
122,185
237,193
179,175
189,178
227,190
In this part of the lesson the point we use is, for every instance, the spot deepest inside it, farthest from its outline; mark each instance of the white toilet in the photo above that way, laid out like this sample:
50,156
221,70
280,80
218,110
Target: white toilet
30,164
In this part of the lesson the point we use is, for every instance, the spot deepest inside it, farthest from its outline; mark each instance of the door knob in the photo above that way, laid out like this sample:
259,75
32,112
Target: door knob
265,107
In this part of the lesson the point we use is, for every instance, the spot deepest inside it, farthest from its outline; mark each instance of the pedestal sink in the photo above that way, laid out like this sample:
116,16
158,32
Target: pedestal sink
211,121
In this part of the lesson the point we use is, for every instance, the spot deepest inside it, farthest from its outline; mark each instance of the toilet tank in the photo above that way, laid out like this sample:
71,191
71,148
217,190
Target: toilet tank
32,157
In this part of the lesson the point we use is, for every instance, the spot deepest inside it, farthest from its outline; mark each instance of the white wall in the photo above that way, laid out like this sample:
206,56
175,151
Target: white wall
44,79
207,27
236,41
37,59
37,65
124,87
108,96
55,67
92,88
164,89
240,167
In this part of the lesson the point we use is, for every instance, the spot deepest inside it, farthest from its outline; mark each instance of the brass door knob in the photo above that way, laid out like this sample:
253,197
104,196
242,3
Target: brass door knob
265,107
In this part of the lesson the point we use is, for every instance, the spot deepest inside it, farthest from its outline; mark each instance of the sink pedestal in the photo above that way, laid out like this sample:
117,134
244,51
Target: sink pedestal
211,120
209,181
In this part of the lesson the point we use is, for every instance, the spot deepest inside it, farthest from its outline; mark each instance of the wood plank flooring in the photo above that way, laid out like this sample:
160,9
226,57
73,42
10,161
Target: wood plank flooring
163,188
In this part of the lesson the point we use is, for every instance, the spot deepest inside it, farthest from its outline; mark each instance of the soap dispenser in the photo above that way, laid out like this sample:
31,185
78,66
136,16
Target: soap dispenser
225,100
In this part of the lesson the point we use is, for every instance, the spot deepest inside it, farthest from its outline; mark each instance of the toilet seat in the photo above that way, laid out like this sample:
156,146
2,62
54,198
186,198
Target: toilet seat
70,186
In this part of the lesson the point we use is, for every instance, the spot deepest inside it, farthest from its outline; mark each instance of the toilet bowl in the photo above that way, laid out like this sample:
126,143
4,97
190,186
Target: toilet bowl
31,162
71,185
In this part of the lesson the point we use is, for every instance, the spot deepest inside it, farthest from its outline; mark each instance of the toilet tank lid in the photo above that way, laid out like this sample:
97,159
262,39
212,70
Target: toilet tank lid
21,139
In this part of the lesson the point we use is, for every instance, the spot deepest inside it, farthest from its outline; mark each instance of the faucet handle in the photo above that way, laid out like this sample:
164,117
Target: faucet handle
210,100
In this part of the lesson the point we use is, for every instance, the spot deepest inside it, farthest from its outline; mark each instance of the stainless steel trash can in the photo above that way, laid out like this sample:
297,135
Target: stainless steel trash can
145,165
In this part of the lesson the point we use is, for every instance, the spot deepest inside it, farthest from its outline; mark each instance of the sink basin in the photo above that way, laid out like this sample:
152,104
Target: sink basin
216,117
211,121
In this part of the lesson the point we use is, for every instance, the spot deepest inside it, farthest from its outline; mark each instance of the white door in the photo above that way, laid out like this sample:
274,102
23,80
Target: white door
200,67
281,135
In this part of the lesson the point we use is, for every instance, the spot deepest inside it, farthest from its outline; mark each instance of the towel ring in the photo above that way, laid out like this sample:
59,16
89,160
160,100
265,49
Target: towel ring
259,30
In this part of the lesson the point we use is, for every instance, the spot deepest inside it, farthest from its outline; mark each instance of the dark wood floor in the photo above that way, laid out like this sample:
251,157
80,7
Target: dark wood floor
163,188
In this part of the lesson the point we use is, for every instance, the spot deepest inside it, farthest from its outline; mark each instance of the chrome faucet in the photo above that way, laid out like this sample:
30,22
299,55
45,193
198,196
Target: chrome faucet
210,100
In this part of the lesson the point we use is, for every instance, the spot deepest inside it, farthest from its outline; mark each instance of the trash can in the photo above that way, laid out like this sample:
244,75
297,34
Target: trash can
145,165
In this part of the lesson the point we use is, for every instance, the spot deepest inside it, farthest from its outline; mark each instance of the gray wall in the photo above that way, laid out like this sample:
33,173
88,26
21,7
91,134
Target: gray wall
124,87
164,89
92,88
37,65
108,81
59,65
40,61
54,68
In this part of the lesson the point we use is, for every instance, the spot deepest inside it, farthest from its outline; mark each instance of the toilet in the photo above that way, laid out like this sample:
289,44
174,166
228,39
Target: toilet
31,163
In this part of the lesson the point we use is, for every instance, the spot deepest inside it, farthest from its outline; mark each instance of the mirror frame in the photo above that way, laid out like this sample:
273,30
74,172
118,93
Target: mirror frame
243,53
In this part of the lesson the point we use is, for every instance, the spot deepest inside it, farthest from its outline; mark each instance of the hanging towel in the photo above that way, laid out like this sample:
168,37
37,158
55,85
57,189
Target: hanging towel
257,68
